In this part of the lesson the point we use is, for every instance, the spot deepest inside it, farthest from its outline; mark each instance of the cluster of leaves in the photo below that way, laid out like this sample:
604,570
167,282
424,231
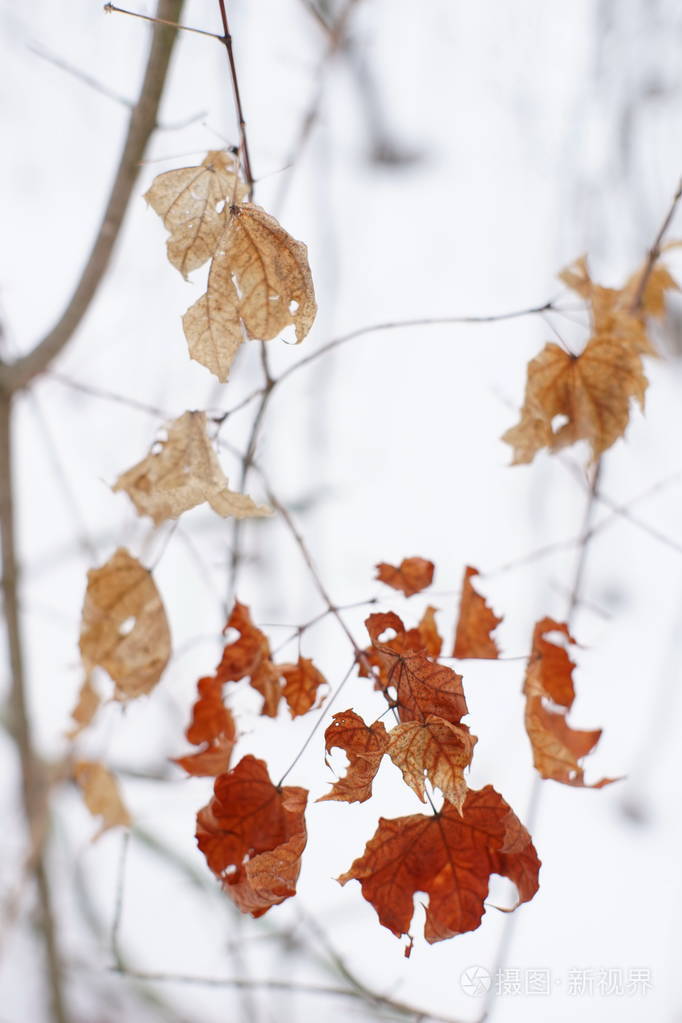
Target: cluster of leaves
587,397
259,280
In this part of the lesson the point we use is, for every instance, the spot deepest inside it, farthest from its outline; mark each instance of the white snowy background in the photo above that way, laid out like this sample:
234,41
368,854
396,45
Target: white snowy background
463,154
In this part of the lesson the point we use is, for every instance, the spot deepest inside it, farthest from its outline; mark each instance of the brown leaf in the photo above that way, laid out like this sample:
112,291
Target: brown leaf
412,575
183,473
101,795
193,202
364,745
424,637
302,682
258,284
213,728
557,748
475,623
124,628
88,704
252,834
422,686
450,857
435,749
249,657
590,391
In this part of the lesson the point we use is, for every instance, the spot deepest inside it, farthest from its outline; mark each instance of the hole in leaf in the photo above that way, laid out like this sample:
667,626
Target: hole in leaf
126,627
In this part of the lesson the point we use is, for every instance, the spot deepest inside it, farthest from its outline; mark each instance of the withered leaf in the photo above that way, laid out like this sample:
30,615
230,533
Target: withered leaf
213,728
590,393
101,795
412,575
451,857
422,686
183,473
252,835
258,284
193,202
249,657
475,623
436,749
364,745
557,748
302,682
424,637
88,704
124,628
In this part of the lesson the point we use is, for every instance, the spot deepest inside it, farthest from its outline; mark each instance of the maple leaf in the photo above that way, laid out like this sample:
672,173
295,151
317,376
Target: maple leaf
422,686
451,857
124,628
302,682
591,391
412,575
183,473
475,623
659,282
364,745
557,747
435,748
424,637
87,705
249,657
213,728
101,795
258,284
252,834
192,203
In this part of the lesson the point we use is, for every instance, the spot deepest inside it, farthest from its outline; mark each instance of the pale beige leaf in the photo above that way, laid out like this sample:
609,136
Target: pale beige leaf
589,393
435,749
192,203
86,707
259,283
101,795
124,628
185,472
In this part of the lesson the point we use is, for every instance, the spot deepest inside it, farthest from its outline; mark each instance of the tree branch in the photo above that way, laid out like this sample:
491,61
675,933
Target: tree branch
142,123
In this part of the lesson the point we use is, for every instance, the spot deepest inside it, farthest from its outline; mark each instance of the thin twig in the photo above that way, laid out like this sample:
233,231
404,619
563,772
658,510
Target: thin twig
243,141
655,252
142,123
156,20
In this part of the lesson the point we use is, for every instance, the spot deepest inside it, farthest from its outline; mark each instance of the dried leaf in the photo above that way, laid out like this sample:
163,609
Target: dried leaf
101,795
475,623
183,473
422,686
88,704
302,682
450,857
124,628
591,392
252,834
425,637
435,749
557,748
412,575
193,202
249,657
364,745
258,284
213,728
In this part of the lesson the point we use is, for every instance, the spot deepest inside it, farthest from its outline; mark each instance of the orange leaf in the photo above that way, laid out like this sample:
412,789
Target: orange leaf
412,575
475,623
249,657
450,857
590,393
252,834
437,749
301,684
422,686
365,745
557,747
424,637
212,727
